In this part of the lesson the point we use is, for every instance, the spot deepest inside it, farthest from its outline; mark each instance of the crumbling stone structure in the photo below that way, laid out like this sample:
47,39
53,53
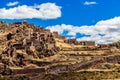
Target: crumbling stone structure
86,43
115,44
71,41
102,46
56,35
3,38
83,43
23,39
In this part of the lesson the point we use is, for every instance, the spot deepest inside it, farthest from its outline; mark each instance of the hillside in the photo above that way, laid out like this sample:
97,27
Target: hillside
21,42
32,51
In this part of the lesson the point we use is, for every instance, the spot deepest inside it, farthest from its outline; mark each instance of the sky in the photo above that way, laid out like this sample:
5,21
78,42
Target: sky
92,20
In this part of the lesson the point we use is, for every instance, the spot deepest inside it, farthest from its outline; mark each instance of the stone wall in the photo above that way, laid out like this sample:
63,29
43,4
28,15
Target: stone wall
3,37
115,44
27,41
102,46
71,41
56,35
59,69
86,43
83,43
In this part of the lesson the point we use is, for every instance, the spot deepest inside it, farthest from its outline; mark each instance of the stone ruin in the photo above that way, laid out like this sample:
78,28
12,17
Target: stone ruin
102,46
115,44
56,35
23,40
83,43
70,41
73,41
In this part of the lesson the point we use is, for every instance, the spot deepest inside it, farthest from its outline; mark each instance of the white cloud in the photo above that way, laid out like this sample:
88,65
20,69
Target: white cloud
42,11
12,3
104,31
89,3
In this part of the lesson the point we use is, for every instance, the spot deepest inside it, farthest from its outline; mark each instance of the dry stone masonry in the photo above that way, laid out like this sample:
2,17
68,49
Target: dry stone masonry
20,40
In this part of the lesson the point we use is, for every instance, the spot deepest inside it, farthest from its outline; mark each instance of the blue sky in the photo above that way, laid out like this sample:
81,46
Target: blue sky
94,20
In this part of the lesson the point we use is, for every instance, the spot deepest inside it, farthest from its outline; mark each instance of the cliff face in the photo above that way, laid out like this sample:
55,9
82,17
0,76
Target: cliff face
22,41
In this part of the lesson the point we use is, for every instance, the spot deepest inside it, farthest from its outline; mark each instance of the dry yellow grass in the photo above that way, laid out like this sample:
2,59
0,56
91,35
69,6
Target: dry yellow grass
99,52
1,49
14,68
64,46
20,51
56,57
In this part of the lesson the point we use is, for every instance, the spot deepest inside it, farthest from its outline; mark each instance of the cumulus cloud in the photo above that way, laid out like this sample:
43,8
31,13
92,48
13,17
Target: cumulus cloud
104,31
89,3
42,11
12,3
